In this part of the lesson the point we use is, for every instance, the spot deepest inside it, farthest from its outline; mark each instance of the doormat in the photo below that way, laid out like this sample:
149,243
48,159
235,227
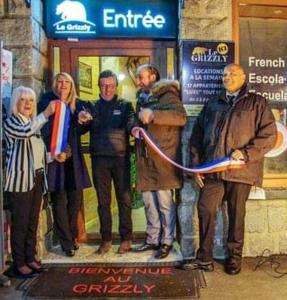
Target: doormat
114,282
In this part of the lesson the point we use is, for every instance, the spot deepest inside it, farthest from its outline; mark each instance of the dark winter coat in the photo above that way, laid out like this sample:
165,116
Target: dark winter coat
169,116
57,171
110,127
247,125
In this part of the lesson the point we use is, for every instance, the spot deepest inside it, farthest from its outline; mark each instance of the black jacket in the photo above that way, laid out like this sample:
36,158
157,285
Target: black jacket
110,127
247,125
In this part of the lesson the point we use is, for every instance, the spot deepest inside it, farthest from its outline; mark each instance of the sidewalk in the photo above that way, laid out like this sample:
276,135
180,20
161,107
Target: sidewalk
248,285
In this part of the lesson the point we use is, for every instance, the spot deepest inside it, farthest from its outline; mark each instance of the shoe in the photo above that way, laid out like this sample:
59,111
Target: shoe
70,252
36,267
125,247
105,247
233,266
21,275
206,266
146,247
163,252
76,246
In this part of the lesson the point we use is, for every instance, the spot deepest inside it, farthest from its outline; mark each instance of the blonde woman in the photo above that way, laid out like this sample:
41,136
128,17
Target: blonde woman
67,173
25,179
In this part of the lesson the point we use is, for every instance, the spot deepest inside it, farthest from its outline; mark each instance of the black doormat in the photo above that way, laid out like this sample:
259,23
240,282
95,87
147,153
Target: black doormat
114,282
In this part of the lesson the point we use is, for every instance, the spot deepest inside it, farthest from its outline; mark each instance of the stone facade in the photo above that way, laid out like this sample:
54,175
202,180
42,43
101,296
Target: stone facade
266,220
22,33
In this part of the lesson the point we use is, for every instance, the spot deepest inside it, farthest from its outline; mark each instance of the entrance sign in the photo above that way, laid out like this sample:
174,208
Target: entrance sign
88,19
202,64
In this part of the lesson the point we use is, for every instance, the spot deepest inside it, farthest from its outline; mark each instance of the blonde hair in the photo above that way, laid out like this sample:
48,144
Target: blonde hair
22,92
71,100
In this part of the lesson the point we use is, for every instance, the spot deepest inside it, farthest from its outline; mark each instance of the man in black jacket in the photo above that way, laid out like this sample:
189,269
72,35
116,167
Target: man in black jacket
109,123
238,124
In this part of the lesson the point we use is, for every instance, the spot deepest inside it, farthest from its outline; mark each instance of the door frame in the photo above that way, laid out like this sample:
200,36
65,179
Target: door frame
69,54
117,47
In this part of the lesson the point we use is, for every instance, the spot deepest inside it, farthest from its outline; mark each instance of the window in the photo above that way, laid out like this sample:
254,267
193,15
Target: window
261,37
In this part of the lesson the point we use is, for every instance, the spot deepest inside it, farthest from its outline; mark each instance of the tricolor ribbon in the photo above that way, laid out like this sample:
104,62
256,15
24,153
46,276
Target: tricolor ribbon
217,165
59,139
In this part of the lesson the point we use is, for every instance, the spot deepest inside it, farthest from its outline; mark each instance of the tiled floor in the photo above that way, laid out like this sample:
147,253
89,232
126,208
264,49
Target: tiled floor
87,254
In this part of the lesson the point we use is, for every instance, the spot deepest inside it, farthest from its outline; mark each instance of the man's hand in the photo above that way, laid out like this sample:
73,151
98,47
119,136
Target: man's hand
199,179
136,132
146,115
237,155
84,117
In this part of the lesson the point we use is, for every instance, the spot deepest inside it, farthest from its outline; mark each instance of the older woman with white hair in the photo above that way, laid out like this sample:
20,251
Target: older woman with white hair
25,179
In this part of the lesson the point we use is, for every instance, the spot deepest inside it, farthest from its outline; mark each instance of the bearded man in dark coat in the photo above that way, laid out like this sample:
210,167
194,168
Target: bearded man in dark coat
161,113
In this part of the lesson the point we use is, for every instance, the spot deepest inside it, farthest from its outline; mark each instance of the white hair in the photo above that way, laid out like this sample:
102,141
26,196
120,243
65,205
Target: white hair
22,92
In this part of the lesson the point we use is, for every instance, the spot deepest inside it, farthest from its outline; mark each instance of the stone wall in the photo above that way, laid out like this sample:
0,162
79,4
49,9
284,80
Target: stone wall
22,33
266,227
266,220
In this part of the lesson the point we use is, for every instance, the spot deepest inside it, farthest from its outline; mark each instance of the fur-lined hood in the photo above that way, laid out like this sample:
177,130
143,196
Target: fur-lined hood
163,86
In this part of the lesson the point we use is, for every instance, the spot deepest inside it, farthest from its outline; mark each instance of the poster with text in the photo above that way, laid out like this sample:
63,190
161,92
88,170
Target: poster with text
6,79
263,55
202,68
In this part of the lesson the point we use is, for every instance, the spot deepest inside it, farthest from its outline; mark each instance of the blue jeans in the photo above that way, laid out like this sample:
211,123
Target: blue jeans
160,211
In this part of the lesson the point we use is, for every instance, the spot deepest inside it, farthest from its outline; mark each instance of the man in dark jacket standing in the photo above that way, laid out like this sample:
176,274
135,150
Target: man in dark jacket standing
161,113
111,121
238,124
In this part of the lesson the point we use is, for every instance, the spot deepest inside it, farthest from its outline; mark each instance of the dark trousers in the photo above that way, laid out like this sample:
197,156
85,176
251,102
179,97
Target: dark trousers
106,169
212,195
25,209
66,206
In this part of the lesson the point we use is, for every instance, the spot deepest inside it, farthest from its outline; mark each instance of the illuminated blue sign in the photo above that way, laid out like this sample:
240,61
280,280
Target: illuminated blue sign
90,19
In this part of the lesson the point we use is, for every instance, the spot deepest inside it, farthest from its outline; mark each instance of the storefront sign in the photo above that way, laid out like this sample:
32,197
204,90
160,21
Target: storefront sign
105,19
267,76
203,64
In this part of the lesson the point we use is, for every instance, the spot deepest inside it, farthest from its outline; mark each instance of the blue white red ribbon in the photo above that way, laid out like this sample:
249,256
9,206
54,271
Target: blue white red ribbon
217,165
59,139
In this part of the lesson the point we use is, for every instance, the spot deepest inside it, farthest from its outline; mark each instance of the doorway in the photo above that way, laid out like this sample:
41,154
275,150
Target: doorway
84,61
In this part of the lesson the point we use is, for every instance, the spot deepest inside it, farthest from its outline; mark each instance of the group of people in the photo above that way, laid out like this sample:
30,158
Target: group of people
237,124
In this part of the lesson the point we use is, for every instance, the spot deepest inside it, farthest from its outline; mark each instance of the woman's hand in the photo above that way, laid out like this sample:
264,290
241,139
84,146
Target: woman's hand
50,109
61,158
